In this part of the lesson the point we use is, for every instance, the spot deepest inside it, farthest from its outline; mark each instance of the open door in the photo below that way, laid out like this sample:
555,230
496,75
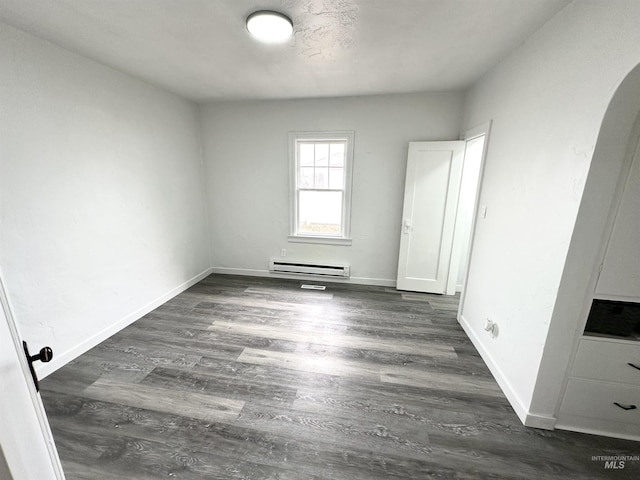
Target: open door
27,450
429,214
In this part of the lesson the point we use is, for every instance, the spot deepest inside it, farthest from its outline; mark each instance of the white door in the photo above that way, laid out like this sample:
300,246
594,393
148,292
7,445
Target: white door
27,450
429,214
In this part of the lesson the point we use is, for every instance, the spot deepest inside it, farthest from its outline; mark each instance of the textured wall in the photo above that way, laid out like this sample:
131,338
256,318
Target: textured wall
101,190
247,165
547,102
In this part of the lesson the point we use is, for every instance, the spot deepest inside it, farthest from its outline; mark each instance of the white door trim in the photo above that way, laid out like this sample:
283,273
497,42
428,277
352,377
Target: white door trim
484,129
36,440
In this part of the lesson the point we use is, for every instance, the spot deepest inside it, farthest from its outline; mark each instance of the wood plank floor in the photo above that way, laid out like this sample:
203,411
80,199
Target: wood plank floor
249,378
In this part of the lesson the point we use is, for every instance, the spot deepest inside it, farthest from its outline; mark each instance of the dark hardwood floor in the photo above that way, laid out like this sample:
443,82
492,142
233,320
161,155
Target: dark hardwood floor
248,378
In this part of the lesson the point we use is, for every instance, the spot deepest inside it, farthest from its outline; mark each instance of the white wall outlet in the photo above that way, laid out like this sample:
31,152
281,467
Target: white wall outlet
491,327
483,211
283,252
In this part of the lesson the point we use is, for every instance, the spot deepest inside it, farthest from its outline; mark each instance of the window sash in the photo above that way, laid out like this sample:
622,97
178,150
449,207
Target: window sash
322,229
313,169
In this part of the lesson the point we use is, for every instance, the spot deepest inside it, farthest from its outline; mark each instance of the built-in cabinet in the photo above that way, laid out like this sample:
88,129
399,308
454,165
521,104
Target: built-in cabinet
602,393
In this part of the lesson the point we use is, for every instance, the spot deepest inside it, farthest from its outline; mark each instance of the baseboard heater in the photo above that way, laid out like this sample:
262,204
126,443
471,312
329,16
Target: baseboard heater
306,268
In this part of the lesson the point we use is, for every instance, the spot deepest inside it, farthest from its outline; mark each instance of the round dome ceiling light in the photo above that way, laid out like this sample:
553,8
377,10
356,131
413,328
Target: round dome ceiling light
269,27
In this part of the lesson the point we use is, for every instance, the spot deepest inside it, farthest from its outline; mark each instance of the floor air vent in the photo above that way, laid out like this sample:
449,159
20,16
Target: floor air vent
313,287
304,268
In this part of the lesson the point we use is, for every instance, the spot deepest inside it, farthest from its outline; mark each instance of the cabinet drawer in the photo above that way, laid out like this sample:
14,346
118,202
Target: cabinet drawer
588,398
601,359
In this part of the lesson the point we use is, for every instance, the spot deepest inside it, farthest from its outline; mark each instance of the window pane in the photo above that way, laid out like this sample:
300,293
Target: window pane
306,154
319,213
336,158
322,154
306,177
322,177
336,178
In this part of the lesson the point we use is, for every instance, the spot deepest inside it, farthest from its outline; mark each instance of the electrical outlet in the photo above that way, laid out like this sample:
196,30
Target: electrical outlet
491,327
283,252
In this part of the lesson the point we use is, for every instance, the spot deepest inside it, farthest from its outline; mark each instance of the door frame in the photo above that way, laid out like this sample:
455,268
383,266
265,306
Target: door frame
36,435
475,132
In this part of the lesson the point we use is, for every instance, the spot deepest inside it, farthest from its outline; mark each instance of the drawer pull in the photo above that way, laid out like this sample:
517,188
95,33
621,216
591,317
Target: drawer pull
625,407
634,366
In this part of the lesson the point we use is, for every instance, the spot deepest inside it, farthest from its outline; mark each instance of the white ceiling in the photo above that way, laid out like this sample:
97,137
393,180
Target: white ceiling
201,50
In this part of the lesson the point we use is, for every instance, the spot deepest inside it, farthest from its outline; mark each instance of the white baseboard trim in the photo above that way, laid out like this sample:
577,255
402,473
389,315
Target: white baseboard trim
381,282
538,420
59,360
527,418
240,271
596,426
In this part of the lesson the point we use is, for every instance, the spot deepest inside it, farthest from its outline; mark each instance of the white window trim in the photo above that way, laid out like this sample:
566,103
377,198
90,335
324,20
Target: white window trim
294,137
319,239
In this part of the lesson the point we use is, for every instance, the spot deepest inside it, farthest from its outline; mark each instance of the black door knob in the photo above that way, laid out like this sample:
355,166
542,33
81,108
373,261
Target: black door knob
44,355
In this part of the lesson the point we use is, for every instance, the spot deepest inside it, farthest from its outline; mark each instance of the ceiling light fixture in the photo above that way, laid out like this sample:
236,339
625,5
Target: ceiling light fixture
269,26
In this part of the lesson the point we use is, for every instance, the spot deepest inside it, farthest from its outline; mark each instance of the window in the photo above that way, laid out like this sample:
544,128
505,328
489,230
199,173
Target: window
321,164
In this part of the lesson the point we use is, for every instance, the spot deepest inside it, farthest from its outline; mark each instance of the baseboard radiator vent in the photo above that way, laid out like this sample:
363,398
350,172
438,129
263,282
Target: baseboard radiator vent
305,268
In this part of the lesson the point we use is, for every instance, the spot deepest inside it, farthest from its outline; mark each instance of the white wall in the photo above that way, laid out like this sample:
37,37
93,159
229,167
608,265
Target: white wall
103,210
547,102
246,154
614,150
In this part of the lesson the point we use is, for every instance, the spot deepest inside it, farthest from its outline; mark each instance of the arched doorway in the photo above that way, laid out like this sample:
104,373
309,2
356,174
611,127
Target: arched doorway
612,157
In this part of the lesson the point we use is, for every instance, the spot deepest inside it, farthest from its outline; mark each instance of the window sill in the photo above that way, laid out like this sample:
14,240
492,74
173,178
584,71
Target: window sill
319,240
